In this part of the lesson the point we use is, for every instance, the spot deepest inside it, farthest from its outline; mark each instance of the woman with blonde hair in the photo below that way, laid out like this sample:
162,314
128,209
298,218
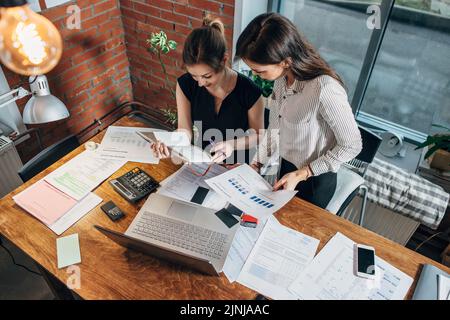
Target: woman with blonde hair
213,94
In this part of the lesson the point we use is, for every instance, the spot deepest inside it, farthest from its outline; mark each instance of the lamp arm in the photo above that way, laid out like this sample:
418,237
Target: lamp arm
17,94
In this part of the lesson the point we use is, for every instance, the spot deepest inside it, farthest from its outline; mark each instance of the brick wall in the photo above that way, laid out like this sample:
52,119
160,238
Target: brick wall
177,18
107,62
93,74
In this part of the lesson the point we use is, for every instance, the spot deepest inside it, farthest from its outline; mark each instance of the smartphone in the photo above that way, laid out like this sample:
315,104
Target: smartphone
364,261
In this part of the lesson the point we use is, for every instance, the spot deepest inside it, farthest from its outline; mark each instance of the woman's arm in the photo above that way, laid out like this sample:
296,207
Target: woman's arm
184,123
184,112
337,113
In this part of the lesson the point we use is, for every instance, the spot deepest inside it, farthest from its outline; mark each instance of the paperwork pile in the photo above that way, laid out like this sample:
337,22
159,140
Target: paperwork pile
64,196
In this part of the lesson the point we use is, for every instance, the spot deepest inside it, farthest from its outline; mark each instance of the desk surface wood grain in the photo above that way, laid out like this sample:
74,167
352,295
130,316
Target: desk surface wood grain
109,271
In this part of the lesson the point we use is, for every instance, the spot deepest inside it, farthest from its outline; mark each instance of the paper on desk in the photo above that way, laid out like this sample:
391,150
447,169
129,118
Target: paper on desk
184,183
443,287
330,276
44,201
123,143
82,174
68,250
279,256
76,213
247,190
243,243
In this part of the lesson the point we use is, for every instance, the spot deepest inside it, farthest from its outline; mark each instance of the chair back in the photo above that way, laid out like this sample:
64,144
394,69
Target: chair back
47,157
370,145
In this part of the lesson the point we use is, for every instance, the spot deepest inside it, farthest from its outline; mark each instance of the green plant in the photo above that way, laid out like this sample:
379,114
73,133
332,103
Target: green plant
265,85
159,45
436,142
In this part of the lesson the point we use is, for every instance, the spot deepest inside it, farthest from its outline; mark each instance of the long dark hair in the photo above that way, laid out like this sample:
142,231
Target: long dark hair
271,38
206,45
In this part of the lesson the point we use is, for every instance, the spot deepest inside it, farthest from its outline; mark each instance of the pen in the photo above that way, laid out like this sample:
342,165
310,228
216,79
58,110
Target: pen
213,144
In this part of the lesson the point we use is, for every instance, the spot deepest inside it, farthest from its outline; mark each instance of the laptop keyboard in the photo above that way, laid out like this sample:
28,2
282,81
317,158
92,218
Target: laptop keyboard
183,235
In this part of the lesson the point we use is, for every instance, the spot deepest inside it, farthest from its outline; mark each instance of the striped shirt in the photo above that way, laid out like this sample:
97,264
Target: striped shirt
312,123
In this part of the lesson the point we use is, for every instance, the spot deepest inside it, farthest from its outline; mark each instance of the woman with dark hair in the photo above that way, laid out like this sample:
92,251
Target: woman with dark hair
311,122
226,104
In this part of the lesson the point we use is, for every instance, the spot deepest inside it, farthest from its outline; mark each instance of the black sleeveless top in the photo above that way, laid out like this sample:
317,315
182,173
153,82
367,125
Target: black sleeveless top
233,113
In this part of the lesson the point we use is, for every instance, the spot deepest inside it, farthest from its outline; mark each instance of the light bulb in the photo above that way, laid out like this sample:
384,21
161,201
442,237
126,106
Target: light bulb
29,43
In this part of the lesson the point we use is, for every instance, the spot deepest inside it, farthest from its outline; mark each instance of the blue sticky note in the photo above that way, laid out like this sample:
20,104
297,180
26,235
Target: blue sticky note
68,250
253,197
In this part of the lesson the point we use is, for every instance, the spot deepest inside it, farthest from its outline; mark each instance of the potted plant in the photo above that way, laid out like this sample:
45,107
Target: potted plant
438,153
159,45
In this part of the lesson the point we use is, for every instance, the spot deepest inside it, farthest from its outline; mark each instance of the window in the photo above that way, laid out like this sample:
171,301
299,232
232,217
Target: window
397,75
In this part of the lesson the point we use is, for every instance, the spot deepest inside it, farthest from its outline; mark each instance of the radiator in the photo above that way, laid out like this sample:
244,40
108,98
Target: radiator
10,163
382,221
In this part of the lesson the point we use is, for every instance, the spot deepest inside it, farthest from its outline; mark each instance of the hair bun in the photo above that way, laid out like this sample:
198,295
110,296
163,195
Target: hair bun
208,21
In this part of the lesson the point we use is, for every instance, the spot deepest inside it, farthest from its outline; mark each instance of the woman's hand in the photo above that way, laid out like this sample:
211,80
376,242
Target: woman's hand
160,150
290,180
256,166
222,150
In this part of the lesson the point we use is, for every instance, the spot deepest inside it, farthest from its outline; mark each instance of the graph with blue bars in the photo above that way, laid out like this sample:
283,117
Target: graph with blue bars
244,191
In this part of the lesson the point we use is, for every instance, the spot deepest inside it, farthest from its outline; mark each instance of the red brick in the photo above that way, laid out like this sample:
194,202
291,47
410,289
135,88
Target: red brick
205,5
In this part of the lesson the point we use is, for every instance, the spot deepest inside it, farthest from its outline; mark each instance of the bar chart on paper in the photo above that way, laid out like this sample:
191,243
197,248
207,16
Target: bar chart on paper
244,191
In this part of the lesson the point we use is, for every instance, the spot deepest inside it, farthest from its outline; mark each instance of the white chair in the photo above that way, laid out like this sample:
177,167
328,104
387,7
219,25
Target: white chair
348,185
350,176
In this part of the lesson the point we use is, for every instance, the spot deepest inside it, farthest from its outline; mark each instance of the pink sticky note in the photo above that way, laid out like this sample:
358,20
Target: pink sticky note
45,202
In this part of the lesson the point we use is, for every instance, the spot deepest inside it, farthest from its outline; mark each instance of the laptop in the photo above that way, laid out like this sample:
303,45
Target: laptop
178,231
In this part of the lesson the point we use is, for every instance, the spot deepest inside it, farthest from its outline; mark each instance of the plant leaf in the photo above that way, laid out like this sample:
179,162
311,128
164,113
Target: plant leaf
172,44
431,151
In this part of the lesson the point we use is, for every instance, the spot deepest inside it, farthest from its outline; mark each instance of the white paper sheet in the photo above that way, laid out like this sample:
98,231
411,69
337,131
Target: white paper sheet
242,245
443,287
247,190
82,174
76,213
331,277
279,256
183,184
123,143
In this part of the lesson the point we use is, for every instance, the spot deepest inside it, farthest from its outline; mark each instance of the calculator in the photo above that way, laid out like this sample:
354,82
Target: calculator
134,185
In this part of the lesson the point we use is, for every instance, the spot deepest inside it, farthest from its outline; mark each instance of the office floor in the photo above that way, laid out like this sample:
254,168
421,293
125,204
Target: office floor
18,283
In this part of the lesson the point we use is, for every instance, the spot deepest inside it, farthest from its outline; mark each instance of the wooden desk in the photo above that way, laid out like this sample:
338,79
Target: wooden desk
108,271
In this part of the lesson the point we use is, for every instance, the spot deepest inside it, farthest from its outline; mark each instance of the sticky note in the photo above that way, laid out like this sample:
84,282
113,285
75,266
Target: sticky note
68,250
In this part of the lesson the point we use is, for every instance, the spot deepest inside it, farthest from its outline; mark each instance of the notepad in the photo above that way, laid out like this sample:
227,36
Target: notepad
68,250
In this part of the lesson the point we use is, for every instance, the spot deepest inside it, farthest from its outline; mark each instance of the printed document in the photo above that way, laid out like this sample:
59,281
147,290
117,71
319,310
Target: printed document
244,188
123,143
243,243
82,174
279,256
183,184
330,276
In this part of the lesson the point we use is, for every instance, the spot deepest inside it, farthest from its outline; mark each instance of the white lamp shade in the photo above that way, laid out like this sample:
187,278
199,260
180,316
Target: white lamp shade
43,109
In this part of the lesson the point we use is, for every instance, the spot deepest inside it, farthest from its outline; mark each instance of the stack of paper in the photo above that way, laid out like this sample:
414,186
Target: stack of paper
330,276
123,143
278,257
64,196
183,184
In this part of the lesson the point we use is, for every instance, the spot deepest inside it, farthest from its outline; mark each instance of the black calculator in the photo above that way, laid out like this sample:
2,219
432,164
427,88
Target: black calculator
134,185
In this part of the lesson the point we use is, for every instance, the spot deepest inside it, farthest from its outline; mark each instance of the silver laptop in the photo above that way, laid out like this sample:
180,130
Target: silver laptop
178,231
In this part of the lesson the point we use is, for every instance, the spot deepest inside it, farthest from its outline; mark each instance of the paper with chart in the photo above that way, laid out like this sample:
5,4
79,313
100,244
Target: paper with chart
279,256
123,143
247,190
184,183
331,277
243,243
82,174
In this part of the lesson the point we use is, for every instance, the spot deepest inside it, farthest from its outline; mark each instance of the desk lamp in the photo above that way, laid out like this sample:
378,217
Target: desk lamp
42,107
29,43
